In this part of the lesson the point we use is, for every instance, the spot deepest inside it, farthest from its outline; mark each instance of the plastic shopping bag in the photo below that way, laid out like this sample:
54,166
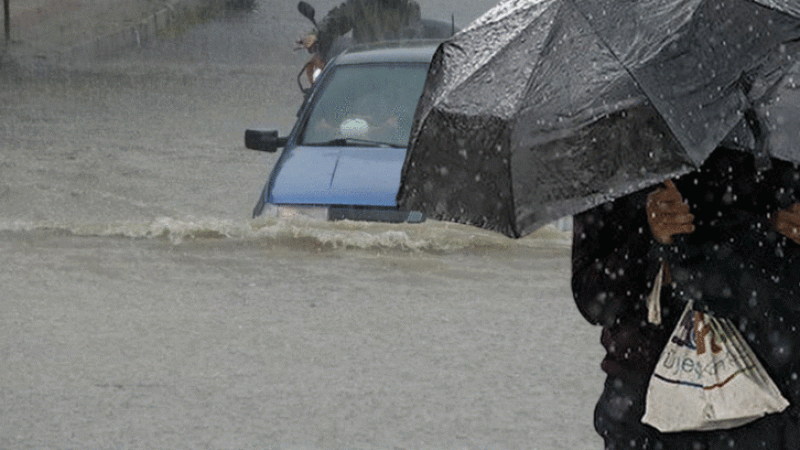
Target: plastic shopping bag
708,378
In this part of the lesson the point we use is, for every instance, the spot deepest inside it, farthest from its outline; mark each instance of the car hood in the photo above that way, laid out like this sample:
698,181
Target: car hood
338,176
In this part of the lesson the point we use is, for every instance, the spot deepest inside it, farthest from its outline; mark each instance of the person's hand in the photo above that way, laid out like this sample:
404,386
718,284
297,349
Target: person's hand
668,214
307,42
787,222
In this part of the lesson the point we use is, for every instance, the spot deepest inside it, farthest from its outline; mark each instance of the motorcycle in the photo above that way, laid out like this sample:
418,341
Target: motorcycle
313,68
429,29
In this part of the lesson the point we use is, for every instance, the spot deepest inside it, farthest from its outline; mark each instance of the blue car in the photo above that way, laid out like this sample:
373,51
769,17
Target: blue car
343,158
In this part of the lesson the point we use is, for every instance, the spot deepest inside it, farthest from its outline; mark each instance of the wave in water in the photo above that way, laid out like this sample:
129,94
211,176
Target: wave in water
430,236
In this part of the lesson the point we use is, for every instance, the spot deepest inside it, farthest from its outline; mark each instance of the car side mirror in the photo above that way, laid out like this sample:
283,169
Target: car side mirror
264,141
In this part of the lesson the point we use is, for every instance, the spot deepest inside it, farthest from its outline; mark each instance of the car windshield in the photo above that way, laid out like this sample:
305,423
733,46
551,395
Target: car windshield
366,104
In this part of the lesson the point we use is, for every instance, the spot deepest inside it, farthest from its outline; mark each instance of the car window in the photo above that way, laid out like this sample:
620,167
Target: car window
373,102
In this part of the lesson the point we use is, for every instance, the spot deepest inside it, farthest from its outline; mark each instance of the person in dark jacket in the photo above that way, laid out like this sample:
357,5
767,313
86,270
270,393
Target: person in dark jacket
370,21
729,238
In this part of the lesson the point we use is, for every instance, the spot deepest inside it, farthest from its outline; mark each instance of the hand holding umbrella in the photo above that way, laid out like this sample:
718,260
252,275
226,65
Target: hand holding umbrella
787,222
668,214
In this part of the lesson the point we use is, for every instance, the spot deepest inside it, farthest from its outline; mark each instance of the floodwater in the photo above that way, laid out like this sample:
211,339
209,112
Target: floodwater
142,307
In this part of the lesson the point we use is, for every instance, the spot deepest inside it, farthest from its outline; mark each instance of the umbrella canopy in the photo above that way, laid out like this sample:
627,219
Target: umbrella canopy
545,108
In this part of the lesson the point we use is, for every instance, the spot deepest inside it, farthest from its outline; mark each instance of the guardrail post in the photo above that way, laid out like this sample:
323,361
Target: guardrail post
7,18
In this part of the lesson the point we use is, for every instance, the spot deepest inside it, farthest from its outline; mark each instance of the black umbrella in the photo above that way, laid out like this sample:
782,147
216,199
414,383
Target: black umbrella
544,108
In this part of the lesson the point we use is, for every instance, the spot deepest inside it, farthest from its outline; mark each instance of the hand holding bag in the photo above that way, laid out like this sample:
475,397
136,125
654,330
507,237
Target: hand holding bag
708,378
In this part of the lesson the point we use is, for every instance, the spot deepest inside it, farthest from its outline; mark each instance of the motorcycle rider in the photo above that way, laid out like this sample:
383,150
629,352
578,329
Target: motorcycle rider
370,21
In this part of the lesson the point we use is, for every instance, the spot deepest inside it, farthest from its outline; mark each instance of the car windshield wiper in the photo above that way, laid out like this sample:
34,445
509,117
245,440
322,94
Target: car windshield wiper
353,142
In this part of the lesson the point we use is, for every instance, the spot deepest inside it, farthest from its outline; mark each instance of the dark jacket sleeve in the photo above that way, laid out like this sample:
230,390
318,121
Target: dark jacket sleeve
612,273
786,192
337,22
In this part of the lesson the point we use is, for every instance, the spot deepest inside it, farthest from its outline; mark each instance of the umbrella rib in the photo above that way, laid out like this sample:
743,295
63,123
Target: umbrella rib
781,6
603,41
624,66
483,59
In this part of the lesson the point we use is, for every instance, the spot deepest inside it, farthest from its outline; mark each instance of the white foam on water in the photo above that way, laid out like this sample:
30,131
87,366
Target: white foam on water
431,236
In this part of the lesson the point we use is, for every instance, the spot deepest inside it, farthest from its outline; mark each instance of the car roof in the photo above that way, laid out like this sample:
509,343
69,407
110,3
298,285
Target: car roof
389,52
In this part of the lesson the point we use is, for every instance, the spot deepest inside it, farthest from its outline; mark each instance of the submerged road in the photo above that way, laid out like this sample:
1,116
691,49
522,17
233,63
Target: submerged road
143,309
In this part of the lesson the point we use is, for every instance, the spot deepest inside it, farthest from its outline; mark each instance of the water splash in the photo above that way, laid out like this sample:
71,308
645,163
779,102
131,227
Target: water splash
429,237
